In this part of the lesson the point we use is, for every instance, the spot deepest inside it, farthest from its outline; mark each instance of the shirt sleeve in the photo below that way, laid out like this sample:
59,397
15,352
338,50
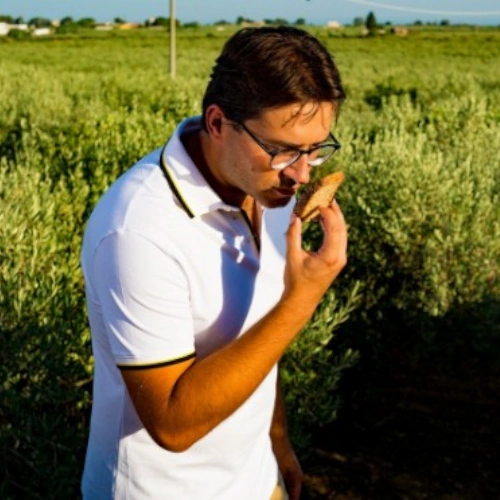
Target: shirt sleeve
143,297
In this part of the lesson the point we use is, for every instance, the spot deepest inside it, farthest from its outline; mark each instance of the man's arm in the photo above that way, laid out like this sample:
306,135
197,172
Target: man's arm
288,463
181,403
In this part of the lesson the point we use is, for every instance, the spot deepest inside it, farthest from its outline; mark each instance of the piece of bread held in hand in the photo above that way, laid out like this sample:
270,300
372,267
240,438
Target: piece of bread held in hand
317,194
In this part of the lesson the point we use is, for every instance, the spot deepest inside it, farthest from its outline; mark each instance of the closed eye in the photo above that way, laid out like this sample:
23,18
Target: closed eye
276,151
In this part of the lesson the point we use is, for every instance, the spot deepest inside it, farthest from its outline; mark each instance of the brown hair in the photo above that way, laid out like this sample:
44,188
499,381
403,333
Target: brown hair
271,67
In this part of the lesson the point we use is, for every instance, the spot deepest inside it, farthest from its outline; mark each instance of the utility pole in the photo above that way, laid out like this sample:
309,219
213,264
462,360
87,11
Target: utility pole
172,39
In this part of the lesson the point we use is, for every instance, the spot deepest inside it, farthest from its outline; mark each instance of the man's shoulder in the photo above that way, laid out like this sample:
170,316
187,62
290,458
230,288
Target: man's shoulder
140,201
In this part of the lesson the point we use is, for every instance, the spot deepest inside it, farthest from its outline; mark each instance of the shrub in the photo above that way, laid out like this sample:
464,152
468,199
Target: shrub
311,371
16,34
423,195
68,28
383,91
45,362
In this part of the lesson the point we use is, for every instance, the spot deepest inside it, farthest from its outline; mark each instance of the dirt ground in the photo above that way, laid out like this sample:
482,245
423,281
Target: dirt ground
428,433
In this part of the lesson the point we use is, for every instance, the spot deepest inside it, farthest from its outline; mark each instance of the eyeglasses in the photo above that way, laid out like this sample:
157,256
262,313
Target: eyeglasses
282,158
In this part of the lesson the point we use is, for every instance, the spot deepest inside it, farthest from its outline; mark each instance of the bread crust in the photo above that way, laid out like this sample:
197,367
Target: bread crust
317,194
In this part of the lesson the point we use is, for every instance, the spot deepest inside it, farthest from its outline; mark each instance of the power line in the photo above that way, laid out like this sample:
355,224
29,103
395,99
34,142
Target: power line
426,11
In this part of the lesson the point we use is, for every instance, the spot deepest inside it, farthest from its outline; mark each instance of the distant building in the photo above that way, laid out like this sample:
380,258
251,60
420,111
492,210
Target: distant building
42,31
258,24
6,28
104,26
399,30
128,26
333,25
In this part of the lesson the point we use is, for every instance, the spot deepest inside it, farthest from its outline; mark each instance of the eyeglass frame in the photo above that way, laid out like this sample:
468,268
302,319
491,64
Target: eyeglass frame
335,145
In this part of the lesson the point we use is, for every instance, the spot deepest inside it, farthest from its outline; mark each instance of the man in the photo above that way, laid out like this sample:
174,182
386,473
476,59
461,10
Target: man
197,282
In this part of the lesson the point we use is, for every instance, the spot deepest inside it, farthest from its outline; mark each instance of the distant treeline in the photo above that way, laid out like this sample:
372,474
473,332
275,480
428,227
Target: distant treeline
68,22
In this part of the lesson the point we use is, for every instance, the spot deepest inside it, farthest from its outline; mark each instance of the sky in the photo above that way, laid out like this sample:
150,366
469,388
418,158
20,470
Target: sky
484,12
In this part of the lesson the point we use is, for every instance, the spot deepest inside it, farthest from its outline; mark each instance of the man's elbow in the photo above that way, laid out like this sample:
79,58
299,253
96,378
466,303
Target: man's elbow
172,441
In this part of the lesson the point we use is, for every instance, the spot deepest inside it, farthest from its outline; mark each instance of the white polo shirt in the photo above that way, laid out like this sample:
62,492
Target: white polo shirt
173,272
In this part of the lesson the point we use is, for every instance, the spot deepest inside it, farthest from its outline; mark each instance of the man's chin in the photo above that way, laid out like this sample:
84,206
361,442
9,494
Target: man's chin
274,202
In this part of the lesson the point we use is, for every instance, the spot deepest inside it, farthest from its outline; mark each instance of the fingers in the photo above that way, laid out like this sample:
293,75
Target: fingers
307,273
335,232
294,235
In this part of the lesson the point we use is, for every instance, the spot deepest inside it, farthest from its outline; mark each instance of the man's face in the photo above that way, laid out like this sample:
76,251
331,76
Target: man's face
246,166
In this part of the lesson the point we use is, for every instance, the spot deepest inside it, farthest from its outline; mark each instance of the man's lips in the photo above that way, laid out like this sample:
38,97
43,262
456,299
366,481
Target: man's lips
285,191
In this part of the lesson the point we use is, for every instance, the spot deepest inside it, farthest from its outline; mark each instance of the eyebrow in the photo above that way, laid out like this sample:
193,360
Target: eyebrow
288,145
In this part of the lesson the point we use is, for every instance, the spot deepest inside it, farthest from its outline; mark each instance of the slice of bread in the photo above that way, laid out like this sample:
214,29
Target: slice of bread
318,194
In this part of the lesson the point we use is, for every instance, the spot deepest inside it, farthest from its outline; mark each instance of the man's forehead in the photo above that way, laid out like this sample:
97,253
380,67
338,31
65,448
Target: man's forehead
300,114
295,125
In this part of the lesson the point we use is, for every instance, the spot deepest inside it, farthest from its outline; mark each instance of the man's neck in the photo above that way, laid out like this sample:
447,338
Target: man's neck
198,148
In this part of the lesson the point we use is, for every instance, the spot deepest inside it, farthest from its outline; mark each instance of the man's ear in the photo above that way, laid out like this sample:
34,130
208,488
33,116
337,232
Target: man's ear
214,119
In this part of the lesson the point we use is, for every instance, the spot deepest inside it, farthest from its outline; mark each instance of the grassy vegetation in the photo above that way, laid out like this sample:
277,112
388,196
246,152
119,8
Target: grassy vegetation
420,133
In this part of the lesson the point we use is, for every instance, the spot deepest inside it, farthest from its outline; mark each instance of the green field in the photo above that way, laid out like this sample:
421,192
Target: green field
421,139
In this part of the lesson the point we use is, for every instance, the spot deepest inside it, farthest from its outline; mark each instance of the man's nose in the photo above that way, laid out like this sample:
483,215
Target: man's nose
299,171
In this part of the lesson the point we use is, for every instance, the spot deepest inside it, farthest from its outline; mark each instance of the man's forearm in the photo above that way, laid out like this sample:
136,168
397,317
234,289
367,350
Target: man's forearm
213,388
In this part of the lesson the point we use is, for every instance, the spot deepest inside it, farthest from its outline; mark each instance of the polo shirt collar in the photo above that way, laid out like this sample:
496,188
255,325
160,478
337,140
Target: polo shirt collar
190,187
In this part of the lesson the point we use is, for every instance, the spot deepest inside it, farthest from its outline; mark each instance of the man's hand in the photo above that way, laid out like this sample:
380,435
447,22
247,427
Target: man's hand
309,274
